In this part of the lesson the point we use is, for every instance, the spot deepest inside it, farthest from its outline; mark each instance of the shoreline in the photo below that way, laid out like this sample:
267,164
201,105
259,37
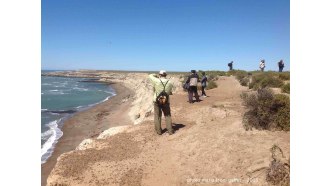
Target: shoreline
90,123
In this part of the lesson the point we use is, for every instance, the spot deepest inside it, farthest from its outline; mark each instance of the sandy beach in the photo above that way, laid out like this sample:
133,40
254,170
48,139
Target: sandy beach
89,124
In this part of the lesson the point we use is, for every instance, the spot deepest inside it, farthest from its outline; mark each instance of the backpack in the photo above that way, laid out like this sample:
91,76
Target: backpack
185,86
162,98
193,81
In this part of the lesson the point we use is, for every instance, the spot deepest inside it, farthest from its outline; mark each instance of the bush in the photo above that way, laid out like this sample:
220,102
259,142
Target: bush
281,108
211,85
264,80
278,172
266,111
286,88
241,75
284,76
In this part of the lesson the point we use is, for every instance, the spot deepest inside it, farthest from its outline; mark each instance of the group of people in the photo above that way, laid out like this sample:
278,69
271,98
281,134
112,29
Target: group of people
163,88
262,65
161,99
191,86
280,64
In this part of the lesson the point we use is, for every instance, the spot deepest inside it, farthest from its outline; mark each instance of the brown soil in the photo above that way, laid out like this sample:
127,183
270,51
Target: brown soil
209,147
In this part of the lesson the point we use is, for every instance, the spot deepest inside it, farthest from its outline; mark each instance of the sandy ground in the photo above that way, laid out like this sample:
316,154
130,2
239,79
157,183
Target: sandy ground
209,147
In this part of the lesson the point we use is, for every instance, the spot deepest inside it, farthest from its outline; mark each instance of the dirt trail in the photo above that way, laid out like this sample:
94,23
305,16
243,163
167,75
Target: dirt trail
209,147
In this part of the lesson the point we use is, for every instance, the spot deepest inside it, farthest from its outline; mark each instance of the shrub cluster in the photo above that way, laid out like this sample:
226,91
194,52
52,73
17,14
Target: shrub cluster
211,84
284,76
241,75
266,111
263,80
286,88
278,172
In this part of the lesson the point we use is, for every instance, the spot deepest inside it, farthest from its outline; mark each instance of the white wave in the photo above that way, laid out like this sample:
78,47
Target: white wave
46,84
44,109
55,133
45,135
81,89
54,90
42,93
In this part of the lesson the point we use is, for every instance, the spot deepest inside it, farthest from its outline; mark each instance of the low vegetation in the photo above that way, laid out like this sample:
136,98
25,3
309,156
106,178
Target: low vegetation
286,88
278,172
266,111
266,79
211,84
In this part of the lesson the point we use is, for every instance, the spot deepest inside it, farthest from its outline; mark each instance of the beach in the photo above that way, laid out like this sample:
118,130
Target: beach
89,124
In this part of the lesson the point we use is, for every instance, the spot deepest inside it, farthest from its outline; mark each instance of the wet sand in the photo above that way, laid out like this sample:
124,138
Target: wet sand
89,124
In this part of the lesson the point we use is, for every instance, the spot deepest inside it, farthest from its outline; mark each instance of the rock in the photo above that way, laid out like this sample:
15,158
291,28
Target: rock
137,116
147,114
85,144
112,131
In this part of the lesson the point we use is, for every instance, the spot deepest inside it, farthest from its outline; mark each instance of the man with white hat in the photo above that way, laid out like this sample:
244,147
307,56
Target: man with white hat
162,90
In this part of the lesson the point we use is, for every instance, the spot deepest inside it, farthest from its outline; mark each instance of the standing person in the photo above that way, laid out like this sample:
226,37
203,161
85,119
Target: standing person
203,81
231,65
193,79
262,65
280,65
161,100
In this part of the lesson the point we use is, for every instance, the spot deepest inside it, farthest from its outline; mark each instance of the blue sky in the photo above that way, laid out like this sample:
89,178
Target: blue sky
172,35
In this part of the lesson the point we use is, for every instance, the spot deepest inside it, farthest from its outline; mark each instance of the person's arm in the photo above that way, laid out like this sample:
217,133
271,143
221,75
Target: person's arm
188,80
153,78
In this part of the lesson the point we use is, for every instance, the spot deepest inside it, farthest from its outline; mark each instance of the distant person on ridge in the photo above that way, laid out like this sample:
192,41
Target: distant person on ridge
192,80
162,91
231,65
262,65
203,81
280,65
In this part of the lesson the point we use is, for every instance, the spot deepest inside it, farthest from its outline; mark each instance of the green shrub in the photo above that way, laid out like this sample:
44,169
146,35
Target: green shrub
211,84
266,111
263,80
281,110
241,75
284,76
286,88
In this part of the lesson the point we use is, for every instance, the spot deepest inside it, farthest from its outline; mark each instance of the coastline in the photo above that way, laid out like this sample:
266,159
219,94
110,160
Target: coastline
89,124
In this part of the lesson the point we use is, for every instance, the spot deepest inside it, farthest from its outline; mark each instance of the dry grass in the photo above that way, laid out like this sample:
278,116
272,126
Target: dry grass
278,172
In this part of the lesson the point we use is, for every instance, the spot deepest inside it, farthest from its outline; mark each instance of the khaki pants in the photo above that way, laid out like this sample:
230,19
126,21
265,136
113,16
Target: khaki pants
158,118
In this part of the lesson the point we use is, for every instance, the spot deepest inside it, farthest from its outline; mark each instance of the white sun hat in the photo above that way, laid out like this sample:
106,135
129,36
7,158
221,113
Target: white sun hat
162,72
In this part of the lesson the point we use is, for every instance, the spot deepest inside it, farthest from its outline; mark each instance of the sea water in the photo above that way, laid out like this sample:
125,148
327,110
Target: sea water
61,97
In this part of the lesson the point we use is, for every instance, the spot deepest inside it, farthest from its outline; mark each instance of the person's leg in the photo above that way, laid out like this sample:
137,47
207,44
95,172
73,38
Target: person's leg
203,91
190,95
167,113
196,94
157,118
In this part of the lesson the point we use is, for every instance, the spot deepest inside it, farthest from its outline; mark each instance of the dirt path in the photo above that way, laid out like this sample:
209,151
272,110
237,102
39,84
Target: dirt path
210,147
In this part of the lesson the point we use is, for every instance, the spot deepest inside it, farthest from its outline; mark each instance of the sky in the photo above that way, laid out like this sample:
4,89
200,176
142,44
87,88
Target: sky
172,35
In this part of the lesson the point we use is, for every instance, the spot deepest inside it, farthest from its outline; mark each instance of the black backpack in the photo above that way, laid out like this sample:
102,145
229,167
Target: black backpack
162,98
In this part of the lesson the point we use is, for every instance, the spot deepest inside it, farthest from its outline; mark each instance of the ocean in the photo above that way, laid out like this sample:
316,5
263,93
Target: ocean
61,97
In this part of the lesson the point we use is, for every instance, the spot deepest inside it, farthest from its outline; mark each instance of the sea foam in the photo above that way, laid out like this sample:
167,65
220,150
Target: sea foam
55,133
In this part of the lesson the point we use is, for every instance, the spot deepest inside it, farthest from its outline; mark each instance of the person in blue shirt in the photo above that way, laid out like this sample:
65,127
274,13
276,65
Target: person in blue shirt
203,81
